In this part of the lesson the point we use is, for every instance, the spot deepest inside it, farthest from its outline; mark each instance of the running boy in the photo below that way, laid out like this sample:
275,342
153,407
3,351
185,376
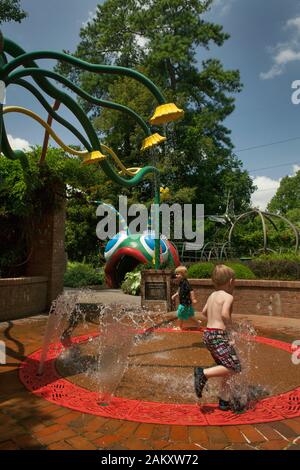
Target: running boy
186,296
218,310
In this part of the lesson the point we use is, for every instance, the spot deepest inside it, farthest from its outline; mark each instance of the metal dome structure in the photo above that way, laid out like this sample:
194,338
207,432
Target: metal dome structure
265,216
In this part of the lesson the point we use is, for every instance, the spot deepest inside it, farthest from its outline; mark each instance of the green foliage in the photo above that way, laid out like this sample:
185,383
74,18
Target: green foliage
200,270
280,266
81,274
268,266
204,270
10,10
279,269
287,196
28,190
241,271
248,238
293,215
287,256
132,283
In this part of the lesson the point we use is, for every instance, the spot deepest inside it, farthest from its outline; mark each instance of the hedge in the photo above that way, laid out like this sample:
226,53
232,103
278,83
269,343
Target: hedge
204,270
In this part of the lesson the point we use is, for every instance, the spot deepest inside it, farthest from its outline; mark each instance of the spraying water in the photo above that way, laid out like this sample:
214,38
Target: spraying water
125,354
117,330
243,394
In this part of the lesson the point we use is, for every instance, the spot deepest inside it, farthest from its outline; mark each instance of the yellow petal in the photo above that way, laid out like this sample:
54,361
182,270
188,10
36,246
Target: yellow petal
94,157
151,140
166,113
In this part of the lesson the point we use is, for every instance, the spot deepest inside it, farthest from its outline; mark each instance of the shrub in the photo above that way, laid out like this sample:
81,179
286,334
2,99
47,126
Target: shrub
200,270
288,256
241,270
204,270
284,270
280,266
132,283
81,274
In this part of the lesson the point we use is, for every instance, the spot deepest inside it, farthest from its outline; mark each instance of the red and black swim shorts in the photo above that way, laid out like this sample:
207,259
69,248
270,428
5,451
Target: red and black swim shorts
223,353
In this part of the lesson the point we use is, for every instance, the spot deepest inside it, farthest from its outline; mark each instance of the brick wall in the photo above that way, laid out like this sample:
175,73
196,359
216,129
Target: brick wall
257,297
45,269
48,255
20,297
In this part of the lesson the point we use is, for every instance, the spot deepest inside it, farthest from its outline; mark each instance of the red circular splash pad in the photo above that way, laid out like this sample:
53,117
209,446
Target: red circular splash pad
52,387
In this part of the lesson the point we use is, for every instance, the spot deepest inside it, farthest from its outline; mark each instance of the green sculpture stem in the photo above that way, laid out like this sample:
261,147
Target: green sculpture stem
157,225
52,113
26,58
106,104
15,50
7,150
107,168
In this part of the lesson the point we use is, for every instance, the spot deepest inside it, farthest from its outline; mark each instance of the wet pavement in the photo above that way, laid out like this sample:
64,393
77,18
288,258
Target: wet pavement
30,422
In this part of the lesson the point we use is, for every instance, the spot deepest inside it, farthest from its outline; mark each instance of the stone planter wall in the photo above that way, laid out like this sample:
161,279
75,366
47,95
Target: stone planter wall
22,296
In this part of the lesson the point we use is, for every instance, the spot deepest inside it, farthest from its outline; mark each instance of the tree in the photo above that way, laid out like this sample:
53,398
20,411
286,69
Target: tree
161,39
287,196
10,10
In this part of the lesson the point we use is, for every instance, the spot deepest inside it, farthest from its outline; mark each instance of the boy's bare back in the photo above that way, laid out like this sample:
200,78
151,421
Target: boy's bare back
218,309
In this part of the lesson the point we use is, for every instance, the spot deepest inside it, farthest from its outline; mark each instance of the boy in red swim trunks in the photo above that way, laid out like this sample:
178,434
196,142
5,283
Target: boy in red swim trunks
218,310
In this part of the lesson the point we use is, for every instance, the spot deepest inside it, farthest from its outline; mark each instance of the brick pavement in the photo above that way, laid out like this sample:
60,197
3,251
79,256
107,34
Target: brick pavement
29,422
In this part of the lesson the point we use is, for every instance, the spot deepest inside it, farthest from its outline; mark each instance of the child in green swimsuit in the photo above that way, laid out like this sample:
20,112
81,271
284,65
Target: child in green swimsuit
186,296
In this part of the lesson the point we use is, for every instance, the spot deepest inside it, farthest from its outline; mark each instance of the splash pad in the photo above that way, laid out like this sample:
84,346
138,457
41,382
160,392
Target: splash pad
146,376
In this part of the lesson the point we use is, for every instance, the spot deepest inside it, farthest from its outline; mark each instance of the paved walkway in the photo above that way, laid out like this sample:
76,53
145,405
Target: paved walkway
29,422
106,296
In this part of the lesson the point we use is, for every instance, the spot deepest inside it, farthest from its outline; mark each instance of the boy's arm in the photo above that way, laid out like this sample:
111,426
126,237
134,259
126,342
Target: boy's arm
193,298
175,295
203,314
204,311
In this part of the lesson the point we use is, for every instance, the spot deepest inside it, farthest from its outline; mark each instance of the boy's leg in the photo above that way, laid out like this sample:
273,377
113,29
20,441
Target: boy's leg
225,388
217,371
196,322
199,381
201,376
224,355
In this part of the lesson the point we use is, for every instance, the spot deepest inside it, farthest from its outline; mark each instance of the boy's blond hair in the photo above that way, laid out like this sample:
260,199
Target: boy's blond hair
181,270
222,275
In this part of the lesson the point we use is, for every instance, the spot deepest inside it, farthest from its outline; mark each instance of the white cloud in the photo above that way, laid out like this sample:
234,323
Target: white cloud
223,6
296,168
18,144
294,22
266,189
285,52
91,16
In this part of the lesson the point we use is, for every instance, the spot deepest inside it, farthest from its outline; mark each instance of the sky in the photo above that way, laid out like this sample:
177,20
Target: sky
264,45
